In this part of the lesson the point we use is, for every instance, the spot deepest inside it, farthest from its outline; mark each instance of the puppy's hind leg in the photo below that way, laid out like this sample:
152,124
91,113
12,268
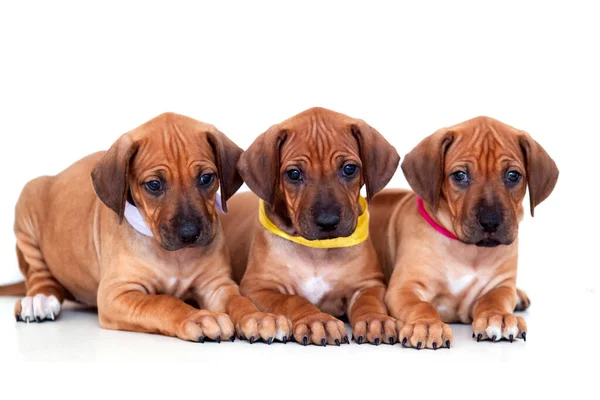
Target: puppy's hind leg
44,294
523,301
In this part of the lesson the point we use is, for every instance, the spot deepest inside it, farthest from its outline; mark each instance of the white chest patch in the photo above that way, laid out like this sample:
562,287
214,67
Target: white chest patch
458,285
314,289
172,282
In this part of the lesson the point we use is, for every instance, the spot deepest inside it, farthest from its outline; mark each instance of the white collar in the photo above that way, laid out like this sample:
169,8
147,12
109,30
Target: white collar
135,219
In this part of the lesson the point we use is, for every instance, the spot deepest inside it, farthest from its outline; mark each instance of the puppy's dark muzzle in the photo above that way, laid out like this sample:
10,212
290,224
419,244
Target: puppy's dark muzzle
490,226
489,218
328,220
188,232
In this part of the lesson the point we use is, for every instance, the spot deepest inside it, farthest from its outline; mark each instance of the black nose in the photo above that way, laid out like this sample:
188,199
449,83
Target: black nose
328,220
489,218
188,232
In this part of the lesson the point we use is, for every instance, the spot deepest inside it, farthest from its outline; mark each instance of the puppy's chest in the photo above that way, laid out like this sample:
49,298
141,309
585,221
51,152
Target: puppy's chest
175,280
459,286
320,282
174,285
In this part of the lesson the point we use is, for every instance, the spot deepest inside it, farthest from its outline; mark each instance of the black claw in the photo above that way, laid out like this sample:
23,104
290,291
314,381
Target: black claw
473,335
494,338
360,339
448,343
392,340
201,339
346,339
292,337
18,317
404,341
251,340
323,342
337,342
524,336
269,340
284,339
419,346
241,337
38,319
376,341
218,339
305,340
232,338
511,338
479,336
434,345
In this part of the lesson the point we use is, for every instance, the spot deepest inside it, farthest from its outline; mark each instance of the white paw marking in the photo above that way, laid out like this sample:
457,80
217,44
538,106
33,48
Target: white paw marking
494,330
512,330
40,307
314,289
443,309
458,285
280,334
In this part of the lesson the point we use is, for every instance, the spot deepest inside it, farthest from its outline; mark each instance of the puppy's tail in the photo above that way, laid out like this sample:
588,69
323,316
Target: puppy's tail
16,289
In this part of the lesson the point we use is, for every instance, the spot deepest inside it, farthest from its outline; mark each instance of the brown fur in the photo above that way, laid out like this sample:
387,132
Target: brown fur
319,143
435,280
72,241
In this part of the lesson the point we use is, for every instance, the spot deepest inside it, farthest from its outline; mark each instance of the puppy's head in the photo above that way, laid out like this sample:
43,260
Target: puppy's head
478,172
310,169
170,168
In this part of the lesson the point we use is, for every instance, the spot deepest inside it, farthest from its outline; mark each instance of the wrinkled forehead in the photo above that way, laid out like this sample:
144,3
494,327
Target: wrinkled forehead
174,147
318,141
484,145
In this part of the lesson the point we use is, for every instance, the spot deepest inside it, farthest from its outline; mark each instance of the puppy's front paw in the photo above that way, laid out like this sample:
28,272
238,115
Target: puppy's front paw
37,308
265,326
496,325
429,333
320,329
375,328
203,324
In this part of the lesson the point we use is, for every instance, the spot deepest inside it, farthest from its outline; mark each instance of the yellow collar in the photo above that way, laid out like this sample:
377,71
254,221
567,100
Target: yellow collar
360,234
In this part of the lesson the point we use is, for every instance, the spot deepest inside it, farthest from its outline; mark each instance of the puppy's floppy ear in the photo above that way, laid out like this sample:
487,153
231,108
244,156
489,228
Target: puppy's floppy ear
260,164
227,155
379,158
423,167
110,176
542,172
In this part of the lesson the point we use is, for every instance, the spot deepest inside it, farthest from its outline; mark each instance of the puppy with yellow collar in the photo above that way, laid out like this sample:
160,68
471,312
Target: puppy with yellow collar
303,250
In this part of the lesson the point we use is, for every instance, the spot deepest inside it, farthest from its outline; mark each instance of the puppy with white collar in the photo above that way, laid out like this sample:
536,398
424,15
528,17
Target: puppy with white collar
162,178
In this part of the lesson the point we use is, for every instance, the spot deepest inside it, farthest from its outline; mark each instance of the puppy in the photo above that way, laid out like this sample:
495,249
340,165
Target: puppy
304,250
451,247
162,177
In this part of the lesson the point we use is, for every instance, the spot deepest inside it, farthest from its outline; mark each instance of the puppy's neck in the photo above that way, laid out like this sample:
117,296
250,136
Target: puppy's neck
442,216
278,214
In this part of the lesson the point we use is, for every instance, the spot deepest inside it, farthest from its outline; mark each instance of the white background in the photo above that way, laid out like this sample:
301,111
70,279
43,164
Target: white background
73,77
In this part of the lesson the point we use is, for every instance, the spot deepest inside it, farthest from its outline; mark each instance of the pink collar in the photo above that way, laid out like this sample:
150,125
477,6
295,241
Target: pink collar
431,222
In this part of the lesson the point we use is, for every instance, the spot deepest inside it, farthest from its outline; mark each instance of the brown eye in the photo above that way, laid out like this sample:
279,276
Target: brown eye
349,170
154,186
460,176
512,177
294,175
206,179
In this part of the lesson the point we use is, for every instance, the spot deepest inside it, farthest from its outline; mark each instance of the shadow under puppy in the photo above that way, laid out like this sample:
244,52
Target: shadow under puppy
451,247
304,249
163,178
